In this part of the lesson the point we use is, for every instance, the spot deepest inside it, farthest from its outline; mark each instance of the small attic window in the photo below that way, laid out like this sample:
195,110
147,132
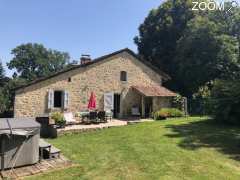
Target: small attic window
69,79
123,76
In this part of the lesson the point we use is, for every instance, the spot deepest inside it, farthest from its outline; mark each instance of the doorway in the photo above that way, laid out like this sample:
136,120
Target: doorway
148,106
116,109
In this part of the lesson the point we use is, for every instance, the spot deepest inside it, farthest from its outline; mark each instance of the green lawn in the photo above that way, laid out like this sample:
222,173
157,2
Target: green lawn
187,148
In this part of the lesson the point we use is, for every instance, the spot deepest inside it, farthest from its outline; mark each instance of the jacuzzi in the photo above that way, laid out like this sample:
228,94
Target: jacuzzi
19,142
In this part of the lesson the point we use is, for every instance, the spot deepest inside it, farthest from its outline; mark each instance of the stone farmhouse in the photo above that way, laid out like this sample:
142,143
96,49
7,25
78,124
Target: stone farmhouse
121,81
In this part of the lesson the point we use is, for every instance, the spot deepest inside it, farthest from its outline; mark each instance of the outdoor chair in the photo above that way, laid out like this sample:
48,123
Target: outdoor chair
102,116
93,117
70,120
83,116
109,114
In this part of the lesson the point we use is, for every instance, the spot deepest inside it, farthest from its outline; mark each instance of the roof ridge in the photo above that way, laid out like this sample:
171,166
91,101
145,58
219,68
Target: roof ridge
167,77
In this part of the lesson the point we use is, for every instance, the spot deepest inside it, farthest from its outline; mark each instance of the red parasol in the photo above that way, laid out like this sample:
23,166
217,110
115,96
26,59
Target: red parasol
92,101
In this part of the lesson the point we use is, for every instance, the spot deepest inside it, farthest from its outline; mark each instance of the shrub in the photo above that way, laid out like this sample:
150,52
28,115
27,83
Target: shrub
58,118
225,101
200,104
167,112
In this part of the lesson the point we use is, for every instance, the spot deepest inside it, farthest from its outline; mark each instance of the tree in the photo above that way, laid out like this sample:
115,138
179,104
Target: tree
192,47
2,74
3,82
203,54
225,101
7,96
161,30
33,61
235,27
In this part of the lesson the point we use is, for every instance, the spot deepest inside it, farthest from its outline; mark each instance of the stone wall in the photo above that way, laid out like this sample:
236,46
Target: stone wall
161,102
100,77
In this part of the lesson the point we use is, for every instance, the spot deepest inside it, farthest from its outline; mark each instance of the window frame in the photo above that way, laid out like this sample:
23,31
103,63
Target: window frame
123,76
62,94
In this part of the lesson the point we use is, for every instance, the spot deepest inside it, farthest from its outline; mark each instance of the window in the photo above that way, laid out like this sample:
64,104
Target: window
58,99
69,79
123,76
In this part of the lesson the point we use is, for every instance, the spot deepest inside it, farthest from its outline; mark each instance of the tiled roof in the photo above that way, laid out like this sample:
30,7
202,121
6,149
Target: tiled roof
164,75
154,91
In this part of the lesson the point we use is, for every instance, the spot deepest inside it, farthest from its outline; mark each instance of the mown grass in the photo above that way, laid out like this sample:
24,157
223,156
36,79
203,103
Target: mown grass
184,148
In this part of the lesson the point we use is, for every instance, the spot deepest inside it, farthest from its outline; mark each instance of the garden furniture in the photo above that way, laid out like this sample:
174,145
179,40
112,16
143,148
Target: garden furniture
102,116
69,118
93,117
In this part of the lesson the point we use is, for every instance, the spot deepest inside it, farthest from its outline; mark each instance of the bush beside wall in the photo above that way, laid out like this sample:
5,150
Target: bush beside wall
167,113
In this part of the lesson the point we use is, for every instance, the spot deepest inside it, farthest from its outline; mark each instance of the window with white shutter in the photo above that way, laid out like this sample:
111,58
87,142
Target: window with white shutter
108,101
58,99
66,100
50,99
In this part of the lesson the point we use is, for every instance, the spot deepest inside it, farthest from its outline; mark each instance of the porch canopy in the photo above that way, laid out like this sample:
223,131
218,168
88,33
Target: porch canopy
147,93
154,91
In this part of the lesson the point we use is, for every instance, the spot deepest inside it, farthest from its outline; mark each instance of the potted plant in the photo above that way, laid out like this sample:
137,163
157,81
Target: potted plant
59,119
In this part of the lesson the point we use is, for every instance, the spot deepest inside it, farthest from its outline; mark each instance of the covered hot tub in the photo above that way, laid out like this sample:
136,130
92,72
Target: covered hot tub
19,142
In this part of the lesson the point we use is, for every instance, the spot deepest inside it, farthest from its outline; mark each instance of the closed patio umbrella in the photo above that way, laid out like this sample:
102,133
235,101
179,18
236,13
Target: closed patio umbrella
92,101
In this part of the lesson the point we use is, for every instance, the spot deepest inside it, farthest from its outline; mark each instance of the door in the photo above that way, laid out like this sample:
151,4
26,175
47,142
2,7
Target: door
116,109
148,106
108,101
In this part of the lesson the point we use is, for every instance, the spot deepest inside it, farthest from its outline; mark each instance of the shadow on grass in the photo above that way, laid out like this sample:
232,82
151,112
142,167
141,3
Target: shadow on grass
207,133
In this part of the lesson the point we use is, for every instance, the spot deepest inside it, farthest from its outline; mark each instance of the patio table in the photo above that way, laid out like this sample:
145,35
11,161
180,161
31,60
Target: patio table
83,115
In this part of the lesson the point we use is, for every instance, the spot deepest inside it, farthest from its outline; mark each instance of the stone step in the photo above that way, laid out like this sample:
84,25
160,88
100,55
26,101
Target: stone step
54,152
44,144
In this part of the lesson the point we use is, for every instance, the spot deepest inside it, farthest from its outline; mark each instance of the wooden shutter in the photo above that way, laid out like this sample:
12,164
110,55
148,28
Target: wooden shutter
66,99
108,101
50,99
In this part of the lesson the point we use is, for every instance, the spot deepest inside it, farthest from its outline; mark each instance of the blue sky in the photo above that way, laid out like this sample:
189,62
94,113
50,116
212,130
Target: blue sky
96,27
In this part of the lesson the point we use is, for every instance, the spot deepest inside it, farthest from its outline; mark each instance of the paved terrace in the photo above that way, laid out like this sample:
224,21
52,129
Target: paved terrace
41,167
89,127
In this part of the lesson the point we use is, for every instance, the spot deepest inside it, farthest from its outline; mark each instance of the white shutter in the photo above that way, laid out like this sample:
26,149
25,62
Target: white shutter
50,99
66,99
108,101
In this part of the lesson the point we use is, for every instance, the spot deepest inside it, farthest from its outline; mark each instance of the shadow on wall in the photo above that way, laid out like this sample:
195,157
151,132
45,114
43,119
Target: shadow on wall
208,134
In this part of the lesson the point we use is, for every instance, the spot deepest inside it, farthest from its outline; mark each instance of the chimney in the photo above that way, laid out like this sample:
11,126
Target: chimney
85,58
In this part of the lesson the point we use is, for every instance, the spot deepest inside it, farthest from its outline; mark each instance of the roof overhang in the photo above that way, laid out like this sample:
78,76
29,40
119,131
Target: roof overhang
154,91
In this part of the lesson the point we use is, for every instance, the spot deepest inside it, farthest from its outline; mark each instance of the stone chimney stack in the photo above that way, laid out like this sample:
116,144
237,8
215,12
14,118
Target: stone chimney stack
85,58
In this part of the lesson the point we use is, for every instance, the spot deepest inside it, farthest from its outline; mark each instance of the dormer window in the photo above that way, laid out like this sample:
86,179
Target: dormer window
123,76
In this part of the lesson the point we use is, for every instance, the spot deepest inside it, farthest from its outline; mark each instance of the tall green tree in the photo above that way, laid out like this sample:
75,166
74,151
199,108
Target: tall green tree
235,27
33,61
160,31
3,81
192,47
225,101
2,73
203,54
